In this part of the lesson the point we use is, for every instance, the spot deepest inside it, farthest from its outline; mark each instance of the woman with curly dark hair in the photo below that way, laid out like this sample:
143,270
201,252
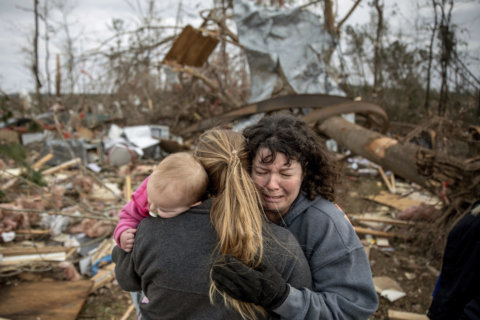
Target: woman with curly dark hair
295,176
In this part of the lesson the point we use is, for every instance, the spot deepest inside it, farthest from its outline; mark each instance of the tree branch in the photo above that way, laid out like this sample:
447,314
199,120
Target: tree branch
349,13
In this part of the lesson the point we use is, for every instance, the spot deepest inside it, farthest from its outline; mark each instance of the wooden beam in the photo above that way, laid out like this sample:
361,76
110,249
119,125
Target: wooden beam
128,188
382,220
361,230
37,165
17,250
44,300
127,313
402,315
103,276
386,180
62,166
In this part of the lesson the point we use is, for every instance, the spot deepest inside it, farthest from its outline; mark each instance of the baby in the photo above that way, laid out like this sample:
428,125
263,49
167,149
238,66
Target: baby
177,183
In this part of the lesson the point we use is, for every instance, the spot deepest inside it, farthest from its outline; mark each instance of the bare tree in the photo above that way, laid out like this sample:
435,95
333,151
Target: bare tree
47,45
447,48
377,72
35,69
430,58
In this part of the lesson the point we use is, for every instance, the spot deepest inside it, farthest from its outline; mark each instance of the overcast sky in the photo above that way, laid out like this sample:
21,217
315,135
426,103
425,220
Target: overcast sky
90,19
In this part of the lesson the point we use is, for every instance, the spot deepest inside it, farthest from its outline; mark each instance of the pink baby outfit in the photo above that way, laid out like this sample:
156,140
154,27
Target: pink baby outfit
133,212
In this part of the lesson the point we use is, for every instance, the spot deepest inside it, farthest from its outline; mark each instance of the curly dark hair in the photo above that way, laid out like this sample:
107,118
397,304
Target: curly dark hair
284,133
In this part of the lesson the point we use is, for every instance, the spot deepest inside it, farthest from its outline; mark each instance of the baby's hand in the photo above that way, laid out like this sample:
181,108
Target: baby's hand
127,238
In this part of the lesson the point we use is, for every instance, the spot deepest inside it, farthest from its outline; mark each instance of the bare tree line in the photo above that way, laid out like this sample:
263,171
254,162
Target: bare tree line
406,79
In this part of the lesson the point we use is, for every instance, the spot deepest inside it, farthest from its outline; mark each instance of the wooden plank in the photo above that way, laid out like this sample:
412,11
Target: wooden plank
54,256
192,47
385,179
37,165
393,200
361,230
9,184
402,315
381,220
392,182
34,232
103,276
44,300
105,248
17,250
127,313
127,188
62,166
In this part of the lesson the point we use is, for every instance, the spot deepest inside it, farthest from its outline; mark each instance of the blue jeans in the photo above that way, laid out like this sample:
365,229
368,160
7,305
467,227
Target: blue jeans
137,298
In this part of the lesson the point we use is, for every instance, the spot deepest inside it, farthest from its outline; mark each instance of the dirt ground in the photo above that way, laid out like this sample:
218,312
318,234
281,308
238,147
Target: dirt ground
404,261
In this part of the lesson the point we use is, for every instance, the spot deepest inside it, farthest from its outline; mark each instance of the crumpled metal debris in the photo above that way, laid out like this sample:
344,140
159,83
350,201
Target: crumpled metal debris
293,40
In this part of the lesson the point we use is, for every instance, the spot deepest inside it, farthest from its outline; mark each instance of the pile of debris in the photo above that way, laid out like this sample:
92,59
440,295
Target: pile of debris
59,203
61,191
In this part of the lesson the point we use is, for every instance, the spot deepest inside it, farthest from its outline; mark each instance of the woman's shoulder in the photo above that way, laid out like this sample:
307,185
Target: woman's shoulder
319,210
322,219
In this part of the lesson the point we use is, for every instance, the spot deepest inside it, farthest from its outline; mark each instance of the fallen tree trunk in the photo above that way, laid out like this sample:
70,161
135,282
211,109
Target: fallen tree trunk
456,180
376,147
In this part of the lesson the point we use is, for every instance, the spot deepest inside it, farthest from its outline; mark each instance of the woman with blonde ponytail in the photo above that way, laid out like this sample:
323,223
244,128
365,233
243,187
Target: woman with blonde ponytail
172,259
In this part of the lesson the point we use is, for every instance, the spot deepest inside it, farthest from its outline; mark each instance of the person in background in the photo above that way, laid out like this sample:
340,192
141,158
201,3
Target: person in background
295,178
457,293
172,258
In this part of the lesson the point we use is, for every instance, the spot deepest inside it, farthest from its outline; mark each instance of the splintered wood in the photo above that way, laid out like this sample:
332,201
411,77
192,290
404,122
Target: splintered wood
192,48
44,300
394,201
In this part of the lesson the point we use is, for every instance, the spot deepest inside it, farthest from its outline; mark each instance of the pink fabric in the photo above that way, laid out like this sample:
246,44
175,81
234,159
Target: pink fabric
133,212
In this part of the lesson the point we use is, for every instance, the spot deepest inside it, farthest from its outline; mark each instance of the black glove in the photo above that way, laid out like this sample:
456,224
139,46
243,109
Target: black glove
263,285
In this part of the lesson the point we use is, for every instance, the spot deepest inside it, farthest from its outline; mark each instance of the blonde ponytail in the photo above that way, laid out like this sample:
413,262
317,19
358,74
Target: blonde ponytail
236,213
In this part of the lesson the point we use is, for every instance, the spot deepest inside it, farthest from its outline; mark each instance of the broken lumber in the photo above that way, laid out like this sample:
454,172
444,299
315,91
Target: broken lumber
62,166
381,220
17,250
361,230
27,258
402,315
103,276
388,182
44,300
37,165
392,200
127,189
127,313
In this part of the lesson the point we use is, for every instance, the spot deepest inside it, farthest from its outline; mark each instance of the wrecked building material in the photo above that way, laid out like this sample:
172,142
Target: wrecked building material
191,48
64,150
268,35
45,300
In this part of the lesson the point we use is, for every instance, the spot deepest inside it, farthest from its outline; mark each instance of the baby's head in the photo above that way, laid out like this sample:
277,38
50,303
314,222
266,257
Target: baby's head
177,183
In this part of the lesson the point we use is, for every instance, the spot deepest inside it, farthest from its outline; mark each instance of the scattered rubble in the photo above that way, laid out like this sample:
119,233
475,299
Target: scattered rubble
59,200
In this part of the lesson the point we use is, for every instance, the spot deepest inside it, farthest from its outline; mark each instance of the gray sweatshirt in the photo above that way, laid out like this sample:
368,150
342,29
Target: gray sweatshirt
171,262
342,280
